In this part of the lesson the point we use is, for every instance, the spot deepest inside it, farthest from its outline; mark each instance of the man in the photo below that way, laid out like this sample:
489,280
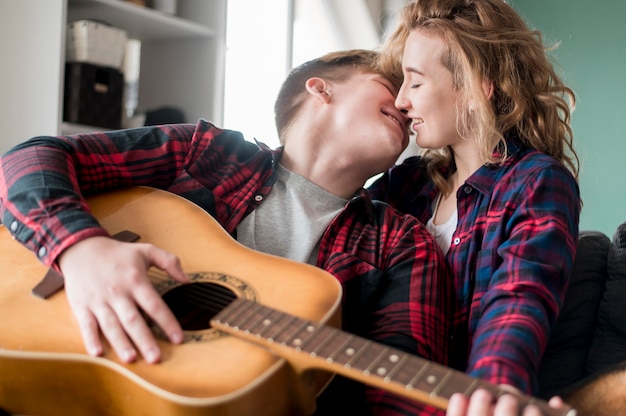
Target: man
338,125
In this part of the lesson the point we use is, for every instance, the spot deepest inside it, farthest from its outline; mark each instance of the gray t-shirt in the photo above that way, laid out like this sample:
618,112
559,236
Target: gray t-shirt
292,219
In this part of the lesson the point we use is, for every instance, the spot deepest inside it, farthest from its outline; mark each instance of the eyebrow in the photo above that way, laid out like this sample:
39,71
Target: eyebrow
413,70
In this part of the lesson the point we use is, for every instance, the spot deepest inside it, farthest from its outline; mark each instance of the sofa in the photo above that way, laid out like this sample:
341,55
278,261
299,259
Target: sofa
586,356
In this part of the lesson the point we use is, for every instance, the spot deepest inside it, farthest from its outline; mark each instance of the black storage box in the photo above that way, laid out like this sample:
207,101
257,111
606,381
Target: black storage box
93,95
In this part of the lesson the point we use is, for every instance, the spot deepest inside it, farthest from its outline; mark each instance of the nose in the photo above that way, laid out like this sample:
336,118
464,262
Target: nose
402,102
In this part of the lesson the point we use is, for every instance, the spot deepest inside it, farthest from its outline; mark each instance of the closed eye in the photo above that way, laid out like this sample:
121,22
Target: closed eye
387,84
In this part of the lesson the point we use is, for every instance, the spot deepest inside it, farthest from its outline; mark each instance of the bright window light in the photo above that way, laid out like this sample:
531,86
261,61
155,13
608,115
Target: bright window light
256,45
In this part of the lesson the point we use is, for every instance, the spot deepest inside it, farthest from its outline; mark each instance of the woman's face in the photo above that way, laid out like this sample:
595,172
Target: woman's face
427,93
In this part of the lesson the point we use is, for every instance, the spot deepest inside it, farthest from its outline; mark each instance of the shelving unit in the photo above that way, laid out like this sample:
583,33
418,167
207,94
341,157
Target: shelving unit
182,56
141,22
182,60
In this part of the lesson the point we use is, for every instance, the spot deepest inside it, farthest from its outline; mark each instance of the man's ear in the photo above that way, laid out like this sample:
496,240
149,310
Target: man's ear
318,88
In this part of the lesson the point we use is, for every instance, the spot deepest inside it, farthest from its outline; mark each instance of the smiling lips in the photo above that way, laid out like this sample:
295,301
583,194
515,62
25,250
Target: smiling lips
416,123
391,116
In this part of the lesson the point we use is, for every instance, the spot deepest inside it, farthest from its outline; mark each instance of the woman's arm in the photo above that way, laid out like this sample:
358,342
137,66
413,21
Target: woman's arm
526,289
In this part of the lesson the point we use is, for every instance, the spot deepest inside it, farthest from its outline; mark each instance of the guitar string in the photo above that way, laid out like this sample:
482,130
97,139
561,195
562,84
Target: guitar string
209,296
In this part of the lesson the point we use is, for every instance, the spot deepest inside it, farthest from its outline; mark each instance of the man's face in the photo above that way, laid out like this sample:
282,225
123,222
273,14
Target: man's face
375,130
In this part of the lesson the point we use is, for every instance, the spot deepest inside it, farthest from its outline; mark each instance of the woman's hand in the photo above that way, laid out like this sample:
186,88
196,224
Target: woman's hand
482,403
108,287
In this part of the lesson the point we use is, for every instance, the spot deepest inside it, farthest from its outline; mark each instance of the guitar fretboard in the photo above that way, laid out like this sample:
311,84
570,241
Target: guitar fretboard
354,356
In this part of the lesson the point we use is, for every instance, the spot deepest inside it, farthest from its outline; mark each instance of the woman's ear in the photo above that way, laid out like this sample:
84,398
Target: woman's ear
487,88
318,88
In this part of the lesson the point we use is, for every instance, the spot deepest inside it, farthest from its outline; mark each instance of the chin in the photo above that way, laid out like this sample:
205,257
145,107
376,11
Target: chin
426,144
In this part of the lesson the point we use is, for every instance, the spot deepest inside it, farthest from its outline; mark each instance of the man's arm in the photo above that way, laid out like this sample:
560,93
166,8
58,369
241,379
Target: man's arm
41,185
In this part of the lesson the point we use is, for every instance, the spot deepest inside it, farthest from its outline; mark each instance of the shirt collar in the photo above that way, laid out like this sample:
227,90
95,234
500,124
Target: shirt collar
485,178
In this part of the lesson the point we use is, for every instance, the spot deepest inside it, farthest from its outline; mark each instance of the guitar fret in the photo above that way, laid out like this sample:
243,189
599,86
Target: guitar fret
341,347
350,351
284,328
336,344
360,352
471,388
442,383
324,335
404,374
295,339
428,382
371,352
310,344
396,368
472,384
266,319
418,376
249,316
380,370
235,309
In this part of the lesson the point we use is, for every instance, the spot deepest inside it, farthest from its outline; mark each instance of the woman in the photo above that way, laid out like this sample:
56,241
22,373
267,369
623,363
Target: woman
497,181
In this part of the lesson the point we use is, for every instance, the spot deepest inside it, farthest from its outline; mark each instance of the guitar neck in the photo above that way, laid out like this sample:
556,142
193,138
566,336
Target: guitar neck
313,345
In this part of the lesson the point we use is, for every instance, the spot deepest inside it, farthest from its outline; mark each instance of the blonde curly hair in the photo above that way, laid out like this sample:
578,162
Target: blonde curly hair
488,40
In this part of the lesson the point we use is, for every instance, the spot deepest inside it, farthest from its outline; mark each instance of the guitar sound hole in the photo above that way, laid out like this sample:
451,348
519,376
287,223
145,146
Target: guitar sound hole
195,304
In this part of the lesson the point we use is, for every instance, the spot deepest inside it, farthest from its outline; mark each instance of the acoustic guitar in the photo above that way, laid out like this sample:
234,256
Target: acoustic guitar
262,332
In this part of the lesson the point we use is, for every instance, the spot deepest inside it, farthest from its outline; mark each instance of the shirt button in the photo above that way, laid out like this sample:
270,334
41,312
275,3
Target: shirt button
258,198
457,241
42,252
467,189
14,226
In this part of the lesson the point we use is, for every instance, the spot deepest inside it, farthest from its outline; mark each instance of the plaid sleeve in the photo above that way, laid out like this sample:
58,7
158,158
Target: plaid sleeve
42,180
526,289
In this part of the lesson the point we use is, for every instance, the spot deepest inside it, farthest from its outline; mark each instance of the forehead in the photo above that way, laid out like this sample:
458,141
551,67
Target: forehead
422,52
372,76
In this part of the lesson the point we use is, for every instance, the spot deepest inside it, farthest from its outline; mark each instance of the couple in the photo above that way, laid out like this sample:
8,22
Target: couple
477,287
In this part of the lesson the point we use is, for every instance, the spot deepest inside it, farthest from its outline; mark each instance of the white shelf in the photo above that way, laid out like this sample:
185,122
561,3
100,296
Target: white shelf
182,60
182,55
140,22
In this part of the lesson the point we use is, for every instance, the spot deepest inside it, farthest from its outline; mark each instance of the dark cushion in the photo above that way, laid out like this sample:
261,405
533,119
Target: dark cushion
568,348
619,238
609,344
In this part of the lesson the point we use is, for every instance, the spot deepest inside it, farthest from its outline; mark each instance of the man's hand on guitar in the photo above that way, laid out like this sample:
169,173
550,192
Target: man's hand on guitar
482,403
107,287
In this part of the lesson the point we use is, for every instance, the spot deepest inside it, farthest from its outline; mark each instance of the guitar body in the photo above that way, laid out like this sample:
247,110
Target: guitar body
44,369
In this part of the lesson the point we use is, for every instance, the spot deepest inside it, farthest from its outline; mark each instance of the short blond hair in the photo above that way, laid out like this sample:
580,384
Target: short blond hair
335,67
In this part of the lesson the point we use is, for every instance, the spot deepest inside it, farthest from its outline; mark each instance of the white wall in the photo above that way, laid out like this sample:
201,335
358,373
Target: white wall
31,98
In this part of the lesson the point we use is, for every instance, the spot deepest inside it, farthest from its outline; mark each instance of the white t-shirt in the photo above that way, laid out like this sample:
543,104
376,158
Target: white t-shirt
292,219
443,232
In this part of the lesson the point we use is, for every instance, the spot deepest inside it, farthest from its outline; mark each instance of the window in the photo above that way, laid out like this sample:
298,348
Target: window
265,39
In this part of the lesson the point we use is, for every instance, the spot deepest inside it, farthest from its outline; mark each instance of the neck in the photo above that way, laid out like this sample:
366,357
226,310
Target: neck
467,161
330,173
